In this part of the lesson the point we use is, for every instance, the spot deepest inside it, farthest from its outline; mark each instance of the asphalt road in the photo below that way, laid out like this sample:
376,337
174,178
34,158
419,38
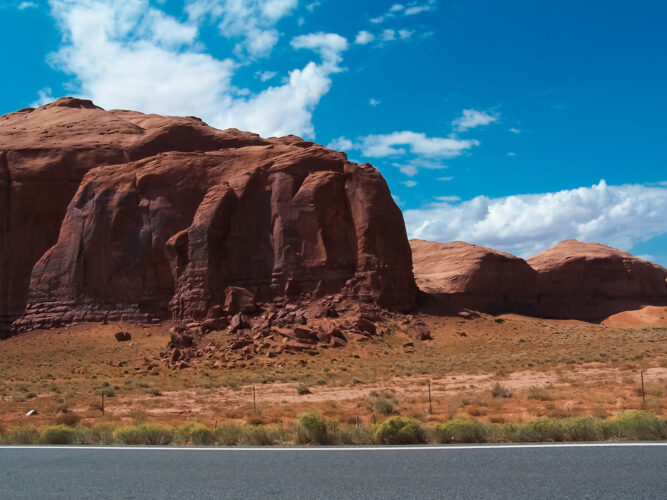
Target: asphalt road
544,471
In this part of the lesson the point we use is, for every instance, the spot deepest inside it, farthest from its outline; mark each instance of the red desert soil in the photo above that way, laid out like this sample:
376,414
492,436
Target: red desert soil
550,367
649,316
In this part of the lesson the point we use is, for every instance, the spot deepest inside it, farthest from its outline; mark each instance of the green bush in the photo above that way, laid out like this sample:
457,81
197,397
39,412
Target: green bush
195,433
461,430
101,434
584,429
255,435
400,430
58,434
150,434
227,435
353,435
312,429
540,429
637,425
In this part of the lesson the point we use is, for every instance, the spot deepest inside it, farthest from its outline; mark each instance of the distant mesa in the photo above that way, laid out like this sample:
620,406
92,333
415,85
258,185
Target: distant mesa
572,280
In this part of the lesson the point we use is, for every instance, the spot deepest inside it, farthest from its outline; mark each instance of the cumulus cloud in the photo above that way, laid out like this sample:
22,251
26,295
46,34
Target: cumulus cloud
27,5
128,54
251,21
472,118
524,225
364,37
340,144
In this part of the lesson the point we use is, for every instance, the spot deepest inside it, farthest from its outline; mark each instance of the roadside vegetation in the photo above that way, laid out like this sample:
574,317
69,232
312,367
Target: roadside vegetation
313,429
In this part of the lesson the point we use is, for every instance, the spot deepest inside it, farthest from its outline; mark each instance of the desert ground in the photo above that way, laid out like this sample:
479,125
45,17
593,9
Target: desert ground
498,369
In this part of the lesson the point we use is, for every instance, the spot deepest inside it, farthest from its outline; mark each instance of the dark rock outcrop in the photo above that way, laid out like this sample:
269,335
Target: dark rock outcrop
461,276
590,281
118,215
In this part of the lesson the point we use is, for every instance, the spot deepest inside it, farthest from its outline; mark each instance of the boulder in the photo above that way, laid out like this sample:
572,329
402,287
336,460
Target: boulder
123,336
239,300
134,215
590,281
458,275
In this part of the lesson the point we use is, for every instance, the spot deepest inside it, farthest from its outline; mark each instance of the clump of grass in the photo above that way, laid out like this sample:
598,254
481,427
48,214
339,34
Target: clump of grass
139,417
384,404
539,393
400,430
498,391
303,389
149,434
460,430
103,433
68,418
21,435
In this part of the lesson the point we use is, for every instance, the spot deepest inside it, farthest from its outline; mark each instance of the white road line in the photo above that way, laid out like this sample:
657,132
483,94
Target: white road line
338,449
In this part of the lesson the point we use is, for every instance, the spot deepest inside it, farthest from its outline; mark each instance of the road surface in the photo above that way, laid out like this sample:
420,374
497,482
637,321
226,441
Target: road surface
498,471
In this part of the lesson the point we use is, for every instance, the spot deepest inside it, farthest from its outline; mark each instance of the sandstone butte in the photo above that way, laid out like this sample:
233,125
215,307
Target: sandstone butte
108,215
572,280
459,275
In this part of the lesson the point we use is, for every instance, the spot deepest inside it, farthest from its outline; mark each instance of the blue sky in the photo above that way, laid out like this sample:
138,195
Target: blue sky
509,124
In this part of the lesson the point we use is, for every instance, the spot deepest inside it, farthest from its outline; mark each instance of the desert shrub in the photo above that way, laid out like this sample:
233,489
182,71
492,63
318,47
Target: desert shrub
69,418
460,430
539,393
227,435
58,434
352,435
383,405
150,434
540,429
637,425
312,429
303,389
400,430
101,434
254,435
498,391
24,435
584,429
195,433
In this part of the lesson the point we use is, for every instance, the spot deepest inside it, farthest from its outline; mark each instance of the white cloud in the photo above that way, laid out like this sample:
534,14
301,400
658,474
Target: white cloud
265,75
45,96
472,118
364,37
373,102
527,224
27,5
408,169
251,21
405,34
388,35
378,146
511,153
445,179
400,10
515,130
312,6
410,184
340,144
328,45
127,54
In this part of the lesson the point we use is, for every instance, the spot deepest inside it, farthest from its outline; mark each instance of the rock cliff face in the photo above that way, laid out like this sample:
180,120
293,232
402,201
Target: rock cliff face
464,276
110,215
590,281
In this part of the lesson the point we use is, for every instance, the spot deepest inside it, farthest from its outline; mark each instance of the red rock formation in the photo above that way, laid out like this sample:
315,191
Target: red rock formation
464,276
126,216
590,281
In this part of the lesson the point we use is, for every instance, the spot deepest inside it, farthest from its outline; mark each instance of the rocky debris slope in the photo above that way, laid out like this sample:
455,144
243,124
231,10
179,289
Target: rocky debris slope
590,281
464,276
118,215
284,328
